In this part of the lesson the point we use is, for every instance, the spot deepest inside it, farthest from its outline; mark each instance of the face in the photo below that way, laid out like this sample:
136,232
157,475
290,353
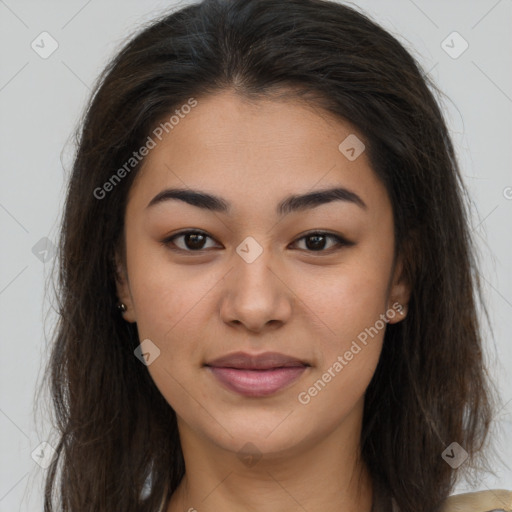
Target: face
268,313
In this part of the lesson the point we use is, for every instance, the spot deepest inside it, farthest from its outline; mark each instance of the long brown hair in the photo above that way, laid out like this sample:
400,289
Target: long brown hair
116,431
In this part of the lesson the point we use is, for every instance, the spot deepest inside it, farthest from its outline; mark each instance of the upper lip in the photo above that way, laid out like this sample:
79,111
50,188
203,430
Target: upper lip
265,361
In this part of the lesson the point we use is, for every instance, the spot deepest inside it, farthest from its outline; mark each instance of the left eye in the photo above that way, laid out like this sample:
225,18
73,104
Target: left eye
317,241
194,241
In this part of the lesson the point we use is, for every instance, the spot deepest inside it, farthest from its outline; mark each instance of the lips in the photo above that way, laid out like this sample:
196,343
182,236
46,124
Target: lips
265,361
257,375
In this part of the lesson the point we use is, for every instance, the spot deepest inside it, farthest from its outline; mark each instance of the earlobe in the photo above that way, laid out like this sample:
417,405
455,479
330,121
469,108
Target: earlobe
399,295
125,303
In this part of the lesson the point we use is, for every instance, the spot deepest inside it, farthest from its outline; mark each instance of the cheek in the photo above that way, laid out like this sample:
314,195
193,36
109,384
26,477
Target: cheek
168,308
160,290
353,297
349,339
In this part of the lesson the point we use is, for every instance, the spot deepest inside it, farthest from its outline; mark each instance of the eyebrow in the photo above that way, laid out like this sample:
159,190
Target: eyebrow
292,203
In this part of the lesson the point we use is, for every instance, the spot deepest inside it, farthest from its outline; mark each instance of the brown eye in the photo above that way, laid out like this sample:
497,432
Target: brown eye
317,241
193,241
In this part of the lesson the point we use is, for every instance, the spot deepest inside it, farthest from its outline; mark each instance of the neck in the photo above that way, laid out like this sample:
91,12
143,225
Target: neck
325,474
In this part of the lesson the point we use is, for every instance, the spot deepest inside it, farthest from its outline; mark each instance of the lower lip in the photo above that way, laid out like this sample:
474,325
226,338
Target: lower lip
257,383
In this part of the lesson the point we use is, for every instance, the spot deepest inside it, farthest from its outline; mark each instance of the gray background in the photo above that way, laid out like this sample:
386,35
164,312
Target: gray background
41,101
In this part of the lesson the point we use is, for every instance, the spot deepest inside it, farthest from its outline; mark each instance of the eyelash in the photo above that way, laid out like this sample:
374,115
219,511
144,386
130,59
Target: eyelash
341,242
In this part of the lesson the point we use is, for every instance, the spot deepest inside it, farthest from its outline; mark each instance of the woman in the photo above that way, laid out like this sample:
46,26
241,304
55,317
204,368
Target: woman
267,279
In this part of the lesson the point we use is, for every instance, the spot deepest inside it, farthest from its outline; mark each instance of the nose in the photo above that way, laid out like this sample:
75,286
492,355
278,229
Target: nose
255,295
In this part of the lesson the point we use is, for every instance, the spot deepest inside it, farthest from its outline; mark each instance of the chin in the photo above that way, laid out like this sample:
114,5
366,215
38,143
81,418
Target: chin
273,433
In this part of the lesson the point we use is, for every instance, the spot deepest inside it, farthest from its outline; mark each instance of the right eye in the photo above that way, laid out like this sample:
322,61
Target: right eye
193,241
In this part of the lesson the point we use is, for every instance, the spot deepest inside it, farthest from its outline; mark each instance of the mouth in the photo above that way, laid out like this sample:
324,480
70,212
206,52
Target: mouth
257,376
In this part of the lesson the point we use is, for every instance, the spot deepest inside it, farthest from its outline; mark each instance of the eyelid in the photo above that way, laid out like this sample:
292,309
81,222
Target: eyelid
341,241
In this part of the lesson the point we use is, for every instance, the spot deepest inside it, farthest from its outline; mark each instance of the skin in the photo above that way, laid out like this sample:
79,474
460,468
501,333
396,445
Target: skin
291,299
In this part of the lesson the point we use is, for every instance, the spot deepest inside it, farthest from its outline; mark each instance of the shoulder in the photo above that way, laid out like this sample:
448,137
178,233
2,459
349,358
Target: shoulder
495,500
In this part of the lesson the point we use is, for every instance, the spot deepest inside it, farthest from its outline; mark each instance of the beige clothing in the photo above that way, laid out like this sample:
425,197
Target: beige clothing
495,500
482,501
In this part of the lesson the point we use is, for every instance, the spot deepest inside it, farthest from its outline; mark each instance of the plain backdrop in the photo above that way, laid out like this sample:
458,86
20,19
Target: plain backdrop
41,100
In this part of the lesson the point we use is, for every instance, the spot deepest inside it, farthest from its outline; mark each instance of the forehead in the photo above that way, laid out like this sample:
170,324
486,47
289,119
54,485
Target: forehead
256,152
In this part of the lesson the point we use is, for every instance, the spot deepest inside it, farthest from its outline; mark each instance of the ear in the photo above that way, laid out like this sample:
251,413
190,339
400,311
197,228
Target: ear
399,294
123,289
